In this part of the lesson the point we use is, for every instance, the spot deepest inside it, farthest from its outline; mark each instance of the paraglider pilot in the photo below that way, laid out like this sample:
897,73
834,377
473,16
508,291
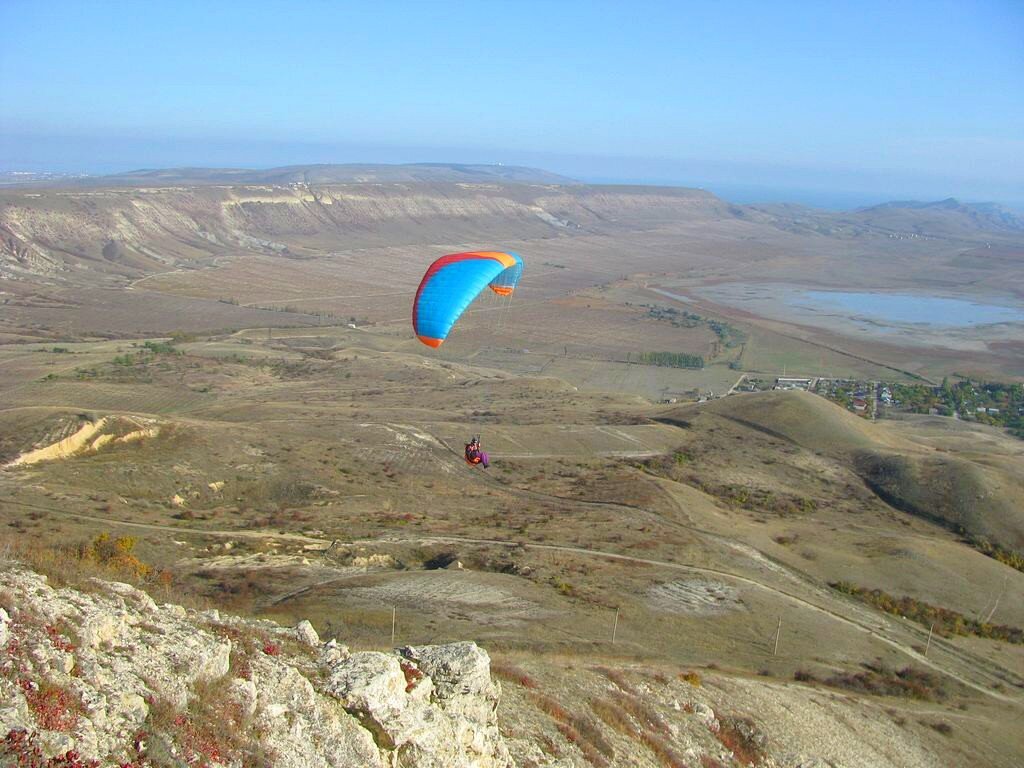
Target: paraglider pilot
474,453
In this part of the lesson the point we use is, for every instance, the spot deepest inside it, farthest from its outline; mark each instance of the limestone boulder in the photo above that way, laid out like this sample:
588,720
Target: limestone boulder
134,675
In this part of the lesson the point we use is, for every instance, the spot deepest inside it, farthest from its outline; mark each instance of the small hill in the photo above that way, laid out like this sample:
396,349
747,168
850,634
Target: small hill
949,217
955,492
940,484
944,219
807,420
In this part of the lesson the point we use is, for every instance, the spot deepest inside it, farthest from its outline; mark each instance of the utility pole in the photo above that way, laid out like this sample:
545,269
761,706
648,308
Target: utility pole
615,626
928,645
778,633
394,612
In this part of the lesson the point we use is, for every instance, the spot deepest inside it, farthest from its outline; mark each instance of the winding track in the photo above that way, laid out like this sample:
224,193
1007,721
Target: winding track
873,629
875,625
870,622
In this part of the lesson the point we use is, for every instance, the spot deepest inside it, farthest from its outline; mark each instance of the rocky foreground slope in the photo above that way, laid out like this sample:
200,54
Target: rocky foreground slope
108,677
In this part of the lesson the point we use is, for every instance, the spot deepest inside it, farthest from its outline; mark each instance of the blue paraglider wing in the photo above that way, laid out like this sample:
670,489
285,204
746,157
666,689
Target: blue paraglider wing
452,282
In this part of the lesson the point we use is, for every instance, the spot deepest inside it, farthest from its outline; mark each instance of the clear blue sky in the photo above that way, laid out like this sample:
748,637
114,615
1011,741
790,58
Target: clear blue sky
922,99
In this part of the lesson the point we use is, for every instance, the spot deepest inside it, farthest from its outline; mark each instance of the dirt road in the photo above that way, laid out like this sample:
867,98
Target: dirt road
877,626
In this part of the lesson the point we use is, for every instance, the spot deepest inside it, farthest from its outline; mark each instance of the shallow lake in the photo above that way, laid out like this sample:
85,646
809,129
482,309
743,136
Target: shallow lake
953,322
909,308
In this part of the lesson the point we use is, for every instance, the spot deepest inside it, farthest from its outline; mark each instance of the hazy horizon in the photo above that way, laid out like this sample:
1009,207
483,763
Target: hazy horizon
735,183
832,106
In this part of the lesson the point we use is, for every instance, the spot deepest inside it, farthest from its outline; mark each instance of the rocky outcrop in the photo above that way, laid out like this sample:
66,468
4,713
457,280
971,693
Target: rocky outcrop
111,676
430,706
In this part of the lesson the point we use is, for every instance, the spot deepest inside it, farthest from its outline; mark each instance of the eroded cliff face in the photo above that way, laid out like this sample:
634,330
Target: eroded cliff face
128,231
110,678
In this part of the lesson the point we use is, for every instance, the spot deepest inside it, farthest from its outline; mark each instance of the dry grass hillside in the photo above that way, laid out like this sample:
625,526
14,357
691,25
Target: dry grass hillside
222,376
315,475
954,486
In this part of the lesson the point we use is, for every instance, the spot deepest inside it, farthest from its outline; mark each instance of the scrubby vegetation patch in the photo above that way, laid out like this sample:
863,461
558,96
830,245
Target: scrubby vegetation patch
946,622
877,679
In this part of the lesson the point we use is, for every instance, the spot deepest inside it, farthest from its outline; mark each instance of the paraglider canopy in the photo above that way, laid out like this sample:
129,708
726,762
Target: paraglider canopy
452,282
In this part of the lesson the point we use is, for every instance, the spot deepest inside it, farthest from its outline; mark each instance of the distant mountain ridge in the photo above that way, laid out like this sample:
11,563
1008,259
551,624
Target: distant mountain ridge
948,217
348,173
146,224
981,215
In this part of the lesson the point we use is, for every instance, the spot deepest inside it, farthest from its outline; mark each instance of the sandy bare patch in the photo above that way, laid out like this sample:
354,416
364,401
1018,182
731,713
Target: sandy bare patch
452,593
698,597
91,437
62,449
408,448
